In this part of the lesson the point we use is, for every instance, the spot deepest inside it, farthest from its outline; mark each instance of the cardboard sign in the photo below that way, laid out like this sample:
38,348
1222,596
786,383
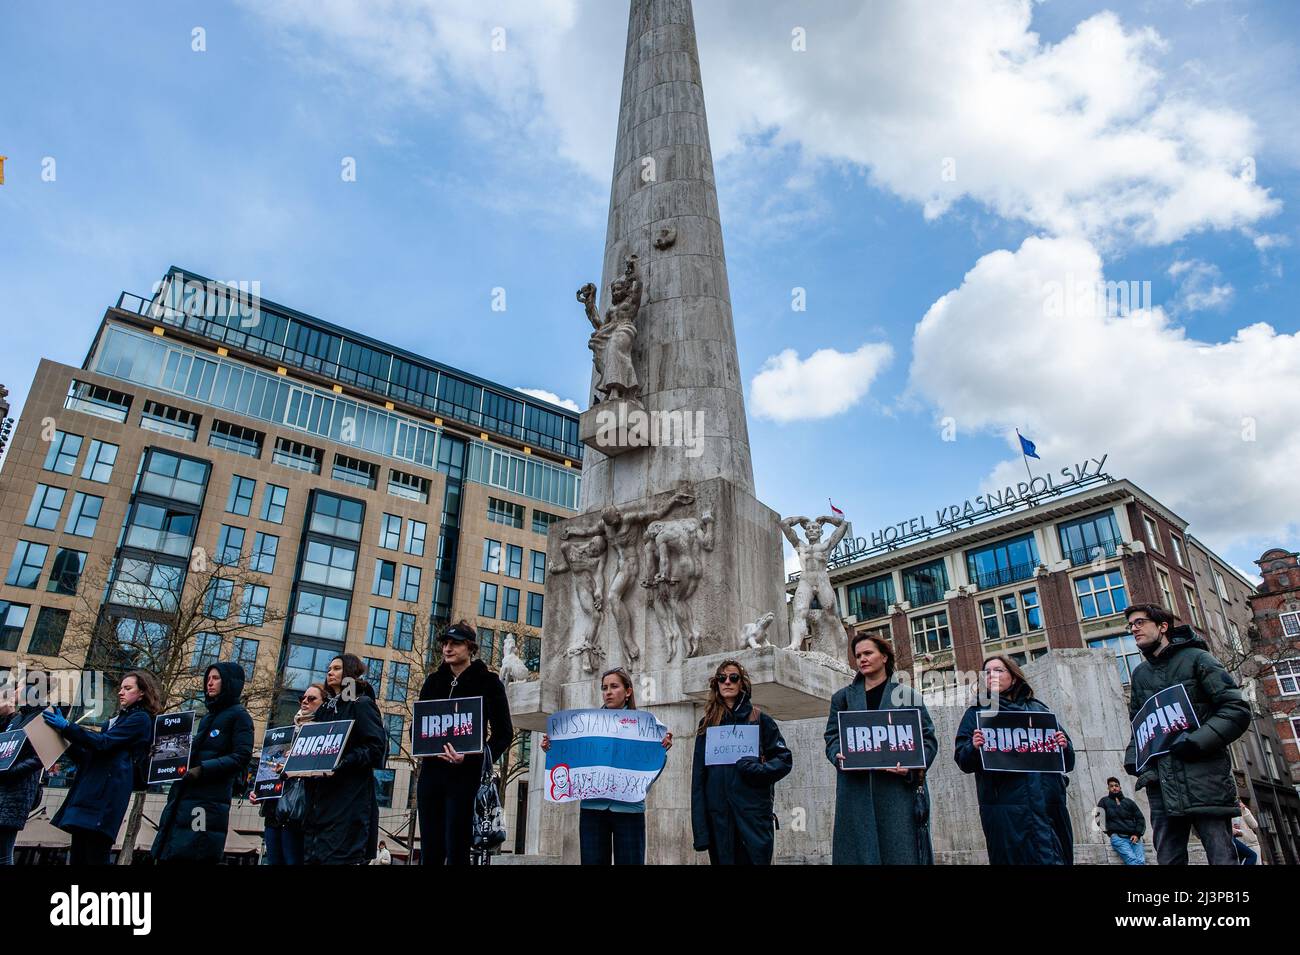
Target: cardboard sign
1162,719
727,745
458,721
46,740
276,742
881,739
169,757
1020,742
318,748
603,754
11,744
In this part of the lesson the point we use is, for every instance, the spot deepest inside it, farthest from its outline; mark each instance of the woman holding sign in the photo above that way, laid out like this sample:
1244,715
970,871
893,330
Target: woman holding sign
731,799
20,783
881,815
284,816
342,803
93,810
1024,814
607,827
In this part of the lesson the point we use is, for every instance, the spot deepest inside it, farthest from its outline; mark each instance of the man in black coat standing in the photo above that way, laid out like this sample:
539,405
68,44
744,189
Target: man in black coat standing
194,822
449,781
1123,821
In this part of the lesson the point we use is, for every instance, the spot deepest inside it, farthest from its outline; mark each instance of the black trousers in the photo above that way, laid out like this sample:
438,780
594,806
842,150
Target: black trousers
599,830
446,806
89,848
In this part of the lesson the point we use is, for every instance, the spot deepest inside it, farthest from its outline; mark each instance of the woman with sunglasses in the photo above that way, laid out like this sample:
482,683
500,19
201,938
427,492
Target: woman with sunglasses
606,826
731,805
283,816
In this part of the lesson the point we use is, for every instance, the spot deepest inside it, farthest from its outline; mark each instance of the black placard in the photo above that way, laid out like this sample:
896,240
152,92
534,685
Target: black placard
1020,741
881,739
456,721
276,743
1162,719
11,745
169,758
317,749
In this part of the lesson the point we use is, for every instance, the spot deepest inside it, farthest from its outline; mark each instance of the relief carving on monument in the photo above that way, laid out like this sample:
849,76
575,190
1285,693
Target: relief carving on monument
674,557
585,561
814,576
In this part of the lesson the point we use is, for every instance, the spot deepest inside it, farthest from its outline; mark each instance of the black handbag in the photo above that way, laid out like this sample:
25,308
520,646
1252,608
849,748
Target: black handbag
292,806
489,817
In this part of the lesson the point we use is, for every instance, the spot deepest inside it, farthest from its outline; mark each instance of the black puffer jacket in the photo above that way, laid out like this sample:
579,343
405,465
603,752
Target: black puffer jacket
737,800
195,820
341,807
1123,816
1202,785
20,784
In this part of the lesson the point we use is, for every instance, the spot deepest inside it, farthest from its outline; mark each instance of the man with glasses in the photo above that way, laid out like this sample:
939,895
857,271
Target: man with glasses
1191,785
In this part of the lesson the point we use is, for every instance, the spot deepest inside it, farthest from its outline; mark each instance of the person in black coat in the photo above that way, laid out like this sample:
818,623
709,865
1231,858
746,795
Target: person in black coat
342,805
1025,817
20,784
194,822
731,805
449,781
283,817
1124,823
93,809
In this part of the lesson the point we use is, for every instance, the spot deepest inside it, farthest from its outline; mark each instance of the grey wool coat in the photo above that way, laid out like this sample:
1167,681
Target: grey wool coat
875,811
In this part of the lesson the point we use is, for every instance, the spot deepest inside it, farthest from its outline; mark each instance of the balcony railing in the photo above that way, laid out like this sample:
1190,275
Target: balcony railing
1004,575
1081,556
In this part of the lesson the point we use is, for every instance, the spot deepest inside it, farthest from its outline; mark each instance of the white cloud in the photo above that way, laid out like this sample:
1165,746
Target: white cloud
550,396
1173,413
1199,286
825,384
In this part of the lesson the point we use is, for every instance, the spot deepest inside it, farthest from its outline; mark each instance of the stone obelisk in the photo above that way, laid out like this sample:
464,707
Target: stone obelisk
672,554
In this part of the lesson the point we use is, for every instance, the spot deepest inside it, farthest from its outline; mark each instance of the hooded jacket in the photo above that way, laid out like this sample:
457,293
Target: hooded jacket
341,807
105,772
1199,783
222,749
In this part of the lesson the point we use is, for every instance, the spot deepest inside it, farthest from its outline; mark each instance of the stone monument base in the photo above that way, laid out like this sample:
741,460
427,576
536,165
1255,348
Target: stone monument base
615,425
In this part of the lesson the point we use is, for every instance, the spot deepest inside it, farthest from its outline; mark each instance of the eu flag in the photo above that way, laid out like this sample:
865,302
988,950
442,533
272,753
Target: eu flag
1027,447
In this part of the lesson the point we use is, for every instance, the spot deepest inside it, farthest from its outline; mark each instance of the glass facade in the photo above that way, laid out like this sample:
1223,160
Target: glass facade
1088,538
1003,562
871,598
926,583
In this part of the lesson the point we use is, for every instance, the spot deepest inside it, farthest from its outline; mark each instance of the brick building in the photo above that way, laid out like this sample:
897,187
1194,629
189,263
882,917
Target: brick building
1276,611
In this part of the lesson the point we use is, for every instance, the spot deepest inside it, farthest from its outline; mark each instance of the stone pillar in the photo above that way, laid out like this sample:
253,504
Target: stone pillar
1059,617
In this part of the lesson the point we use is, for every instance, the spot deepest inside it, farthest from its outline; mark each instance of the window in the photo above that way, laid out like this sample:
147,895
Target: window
514,561
142,642
1101,594
168,420
246,654
207,650
13,617
1166,590
262,560
510,605
404,633
408,486
925,584
273,501
1234,636
395,725
504,512
65,572
487,599
146,584
410,583
355,471
1178,549
216,601
989,617
534,610
241,495
46,504
169,475
253,612
377,627
61,458
47,635
83,518
930,633
332,565
99,462
296,455
1089,538
487,639
316,615
491,556
385,573
1220,586
537,572
1033,613
1153,533
1194,610
337,516
1127,655
374,671
1002,563
25,568
390,531
1288,676
230,545
1011,614
1290,623
871,598
399,676
233,437
542,521
158,528
98,401
415,534
306,665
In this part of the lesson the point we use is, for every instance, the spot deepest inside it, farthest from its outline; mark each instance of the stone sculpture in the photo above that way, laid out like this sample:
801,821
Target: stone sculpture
674,562
814,577
585,560
754,635
611,342
513,669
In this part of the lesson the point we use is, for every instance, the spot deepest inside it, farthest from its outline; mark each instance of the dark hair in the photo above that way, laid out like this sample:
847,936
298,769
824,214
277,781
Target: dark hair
354,668
1155,613
1112,779
1020,688
881,644
150,694
462,628
714,708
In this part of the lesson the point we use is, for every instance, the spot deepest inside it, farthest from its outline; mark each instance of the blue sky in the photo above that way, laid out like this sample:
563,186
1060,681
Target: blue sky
1088,140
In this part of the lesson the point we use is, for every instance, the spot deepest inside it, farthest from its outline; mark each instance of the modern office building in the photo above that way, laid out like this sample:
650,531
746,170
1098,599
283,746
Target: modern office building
361,491
1023,574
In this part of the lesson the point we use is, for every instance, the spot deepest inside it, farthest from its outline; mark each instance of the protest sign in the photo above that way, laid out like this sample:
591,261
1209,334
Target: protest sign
317,749
727,745
881,739
275,750
1020,741
603,754
1161,720
458,721
169,757
46,740
11,744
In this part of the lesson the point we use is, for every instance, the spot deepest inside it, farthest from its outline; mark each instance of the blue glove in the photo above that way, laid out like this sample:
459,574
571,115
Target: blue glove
55,719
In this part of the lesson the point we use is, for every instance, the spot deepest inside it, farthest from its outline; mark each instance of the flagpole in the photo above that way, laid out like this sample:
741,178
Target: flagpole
1025,457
